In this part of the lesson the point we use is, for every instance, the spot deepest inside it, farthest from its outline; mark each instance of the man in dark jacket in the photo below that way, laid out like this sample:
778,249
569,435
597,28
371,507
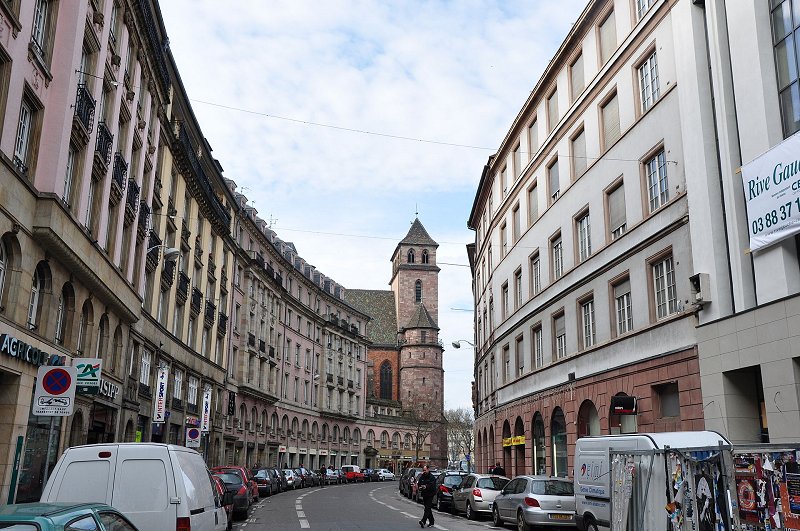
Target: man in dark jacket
427,486
499,470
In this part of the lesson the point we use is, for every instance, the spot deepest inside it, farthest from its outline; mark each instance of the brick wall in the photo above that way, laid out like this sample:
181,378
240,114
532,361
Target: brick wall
377,357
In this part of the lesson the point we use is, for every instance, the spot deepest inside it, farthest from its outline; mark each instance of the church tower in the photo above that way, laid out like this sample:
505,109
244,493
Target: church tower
415,284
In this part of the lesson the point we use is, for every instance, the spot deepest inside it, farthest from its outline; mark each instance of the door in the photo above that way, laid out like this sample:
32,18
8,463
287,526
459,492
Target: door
144,487
505,499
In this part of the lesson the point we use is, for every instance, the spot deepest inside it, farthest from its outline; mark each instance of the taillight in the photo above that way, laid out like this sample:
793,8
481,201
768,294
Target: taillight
242,490
531,502
477,493
442,488
183,524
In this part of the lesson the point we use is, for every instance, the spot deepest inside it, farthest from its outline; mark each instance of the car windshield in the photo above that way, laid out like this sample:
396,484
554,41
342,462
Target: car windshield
492,483
451,481
262,474
230,479
552,488
10,526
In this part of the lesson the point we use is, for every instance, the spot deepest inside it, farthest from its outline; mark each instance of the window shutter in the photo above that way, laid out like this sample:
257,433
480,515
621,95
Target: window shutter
608,37
533,204
553,175
616,208
611,128
559,326
579,162
576,71
622,288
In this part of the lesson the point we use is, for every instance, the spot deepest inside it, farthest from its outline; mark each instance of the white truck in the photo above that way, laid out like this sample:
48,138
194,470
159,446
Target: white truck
638,493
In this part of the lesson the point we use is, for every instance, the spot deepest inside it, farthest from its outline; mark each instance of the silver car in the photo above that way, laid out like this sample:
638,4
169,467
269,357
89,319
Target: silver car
476,494
535,501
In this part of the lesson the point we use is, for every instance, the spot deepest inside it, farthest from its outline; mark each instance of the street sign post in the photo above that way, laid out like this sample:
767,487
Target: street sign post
192,438
55,391
89,372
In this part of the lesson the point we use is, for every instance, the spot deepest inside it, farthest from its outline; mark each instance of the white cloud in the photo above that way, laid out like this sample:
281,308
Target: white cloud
455,72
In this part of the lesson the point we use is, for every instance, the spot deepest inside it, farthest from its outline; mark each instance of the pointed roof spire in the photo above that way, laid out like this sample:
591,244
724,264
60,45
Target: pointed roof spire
417,235
421,318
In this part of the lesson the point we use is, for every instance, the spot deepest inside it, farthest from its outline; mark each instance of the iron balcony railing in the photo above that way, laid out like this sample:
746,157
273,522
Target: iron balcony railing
211,312
84,107
222,324
197,299
183,287
104,141
120,170
154,246
251,340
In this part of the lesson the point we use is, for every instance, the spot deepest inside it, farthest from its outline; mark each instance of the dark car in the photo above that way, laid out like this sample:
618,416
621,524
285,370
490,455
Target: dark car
220,492
405,481
241,493
446,483
279,479
265,481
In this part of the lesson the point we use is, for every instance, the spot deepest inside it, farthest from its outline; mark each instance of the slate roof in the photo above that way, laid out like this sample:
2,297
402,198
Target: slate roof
421,318
417,235
379,305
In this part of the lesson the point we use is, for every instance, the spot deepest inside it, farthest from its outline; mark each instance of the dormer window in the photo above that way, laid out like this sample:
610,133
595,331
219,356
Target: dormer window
411,256
424,256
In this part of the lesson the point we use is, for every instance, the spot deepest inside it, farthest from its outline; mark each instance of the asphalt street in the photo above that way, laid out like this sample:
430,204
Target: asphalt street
360,506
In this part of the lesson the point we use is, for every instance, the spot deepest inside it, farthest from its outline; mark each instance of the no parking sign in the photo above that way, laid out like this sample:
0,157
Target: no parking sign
55,391
192,437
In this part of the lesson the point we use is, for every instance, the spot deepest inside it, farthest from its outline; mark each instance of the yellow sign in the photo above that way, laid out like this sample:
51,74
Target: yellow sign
508,441
519,439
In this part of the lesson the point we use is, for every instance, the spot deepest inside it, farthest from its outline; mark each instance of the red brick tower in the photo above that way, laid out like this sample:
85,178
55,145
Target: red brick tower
415,283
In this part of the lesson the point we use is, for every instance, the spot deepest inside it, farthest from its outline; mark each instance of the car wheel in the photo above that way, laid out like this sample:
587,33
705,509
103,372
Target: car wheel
591,525
521,525
496,521
439,506
470,511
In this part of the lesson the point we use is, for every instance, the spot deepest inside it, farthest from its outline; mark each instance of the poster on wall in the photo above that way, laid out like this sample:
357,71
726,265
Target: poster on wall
205,423
160,402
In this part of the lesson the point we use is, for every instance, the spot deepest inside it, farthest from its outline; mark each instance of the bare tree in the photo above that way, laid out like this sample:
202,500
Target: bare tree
460,431
423,421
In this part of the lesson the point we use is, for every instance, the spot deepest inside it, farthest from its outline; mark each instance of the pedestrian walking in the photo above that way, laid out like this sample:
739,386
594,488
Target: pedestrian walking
427,485
323,476
499,470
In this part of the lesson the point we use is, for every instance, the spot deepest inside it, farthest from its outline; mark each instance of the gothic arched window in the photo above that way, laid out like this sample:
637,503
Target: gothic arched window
418,291
411,256
386,380
424,256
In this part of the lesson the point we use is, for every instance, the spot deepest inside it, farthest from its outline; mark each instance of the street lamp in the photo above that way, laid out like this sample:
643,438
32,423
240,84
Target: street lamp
457,344
170,253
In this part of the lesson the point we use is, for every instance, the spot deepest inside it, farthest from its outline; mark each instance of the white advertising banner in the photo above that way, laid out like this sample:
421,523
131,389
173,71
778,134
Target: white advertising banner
160,402
205,423
772,194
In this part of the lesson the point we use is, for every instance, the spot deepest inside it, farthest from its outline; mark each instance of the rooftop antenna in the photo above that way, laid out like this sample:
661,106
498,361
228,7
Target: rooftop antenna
271,221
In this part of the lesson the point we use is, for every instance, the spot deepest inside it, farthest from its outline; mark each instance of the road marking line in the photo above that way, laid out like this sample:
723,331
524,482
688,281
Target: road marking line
409,515
390,507
304,524
301,514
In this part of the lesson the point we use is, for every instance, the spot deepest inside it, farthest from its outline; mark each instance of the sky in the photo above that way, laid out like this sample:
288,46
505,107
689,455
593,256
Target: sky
342,121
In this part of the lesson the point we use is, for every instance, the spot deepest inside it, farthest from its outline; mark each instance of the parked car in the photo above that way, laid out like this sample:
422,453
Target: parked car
331,477
242,497
529,501
382,474
58,516
139,477
446,483
247,479
340,475
405,480
221,490
292,480
280,478
265,481
352,473
477,493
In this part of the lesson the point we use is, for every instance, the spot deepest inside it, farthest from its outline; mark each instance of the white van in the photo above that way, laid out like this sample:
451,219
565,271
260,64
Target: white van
159,487
593,468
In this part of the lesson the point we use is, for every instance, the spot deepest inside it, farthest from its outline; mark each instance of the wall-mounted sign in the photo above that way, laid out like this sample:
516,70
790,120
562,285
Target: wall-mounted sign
193,421
281,449
55,391
323,452
16,348
192,438
160,403
772,194
231,404
108,389
623,405
89,370
205,421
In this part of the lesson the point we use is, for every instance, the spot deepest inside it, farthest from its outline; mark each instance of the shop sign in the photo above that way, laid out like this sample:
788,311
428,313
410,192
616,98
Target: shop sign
193,421
519,439
231,404
303,450
507,442
205,424
281,449
333,452
160,403
108,389
16,348
55,391
313,451
89,370
293,449
323,452
772,194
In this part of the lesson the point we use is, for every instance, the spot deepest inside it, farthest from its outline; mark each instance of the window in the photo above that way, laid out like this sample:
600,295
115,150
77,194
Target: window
425,260
4,265
622,307
506,364
410,256
418,291
608,37
584,237
504,290
552,179
648,81
557,253
609,114
533,204
533,139
517,288
616,211
666,298
33,303
579,159
642,6
536,348
177,385
517,161
69,176
576,77
39,27
786,37
516,228
191,396
386,380
657,184
503,240
144,368
22,144
668,401
552,110
560,336
504,181
587,323
520,358
536,274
